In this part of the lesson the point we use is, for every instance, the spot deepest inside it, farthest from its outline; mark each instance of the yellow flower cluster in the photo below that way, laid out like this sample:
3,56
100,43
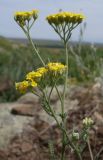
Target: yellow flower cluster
42,70
23,16
37,78
65,17
36,75
56,68
33,75
24,85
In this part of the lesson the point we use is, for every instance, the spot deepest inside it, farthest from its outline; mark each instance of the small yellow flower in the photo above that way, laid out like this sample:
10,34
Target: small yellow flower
36,75
35,14
33,84
33,75
42,70
22,86
56,68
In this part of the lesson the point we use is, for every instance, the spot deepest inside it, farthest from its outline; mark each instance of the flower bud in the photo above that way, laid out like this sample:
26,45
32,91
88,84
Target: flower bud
87,122
75,136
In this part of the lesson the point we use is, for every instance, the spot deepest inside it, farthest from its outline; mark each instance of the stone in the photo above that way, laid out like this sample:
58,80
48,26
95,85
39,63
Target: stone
100,131
16,151
3,155
24,109
26,147
28,98
98,118
10,125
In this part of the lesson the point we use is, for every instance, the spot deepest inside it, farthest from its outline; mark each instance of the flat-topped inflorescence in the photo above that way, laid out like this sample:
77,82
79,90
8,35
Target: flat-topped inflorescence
36,75
33,75
56,68
23,16
64,22
65,17
23,86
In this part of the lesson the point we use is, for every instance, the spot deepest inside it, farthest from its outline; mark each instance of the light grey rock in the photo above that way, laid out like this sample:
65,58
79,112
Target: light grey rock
28,98
10,125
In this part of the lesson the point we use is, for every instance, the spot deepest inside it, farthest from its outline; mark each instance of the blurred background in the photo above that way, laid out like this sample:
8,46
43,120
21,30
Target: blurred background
17,57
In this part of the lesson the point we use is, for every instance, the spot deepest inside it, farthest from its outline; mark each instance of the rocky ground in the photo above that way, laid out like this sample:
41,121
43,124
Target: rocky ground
25,129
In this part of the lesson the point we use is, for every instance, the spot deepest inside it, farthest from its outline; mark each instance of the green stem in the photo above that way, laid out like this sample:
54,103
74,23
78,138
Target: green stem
27,33
60,97
65,135
63,105
36,51
72,145
78,153
63,152
66,76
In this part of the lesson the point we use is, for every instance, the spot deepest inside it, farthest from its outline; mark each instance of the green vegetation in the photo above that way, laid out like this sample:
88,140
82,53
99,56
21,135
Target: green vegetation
17,59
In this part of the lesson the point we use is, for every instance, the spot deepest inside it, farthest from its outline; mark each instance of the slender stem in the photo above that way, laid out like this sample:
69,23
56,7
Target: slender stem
60,98
36,94
63,104
66,76
78,153
54,84
50,109
35,49
98,154
63,119
65,135
90,150
27,32
31,25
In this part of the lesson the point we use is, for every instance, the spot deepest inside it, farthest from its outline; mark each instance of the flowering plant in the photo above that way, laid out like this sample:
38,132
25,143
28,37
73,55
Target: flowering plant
49,75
